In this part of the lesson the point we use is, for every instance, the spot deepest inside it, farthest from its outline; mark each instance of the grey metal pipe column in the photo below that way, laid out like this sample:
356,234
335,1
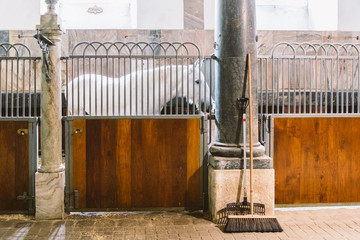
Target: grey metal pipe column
235,36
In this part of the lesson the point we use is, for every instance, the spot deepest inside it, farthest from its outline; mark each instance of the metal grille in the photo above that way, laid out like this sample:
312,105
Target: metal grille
18,87
135,79
309,79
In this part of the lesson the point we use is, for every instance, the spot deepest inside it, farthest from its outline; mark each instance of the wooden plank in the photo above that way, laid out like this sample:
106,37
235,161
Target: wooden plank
107,165
175,164
315,160
193,197
79,160
14,162
145,168
123,163
94,161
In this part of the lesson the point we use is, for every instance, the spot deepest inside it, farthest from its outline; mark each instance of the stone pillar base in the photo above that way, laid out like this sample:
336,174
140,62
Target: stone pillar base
49,195
226,186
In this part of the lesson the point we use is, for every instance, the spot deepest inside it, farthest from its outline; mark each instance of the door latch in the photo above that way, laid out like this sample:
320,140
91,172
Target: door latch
78,130
22,132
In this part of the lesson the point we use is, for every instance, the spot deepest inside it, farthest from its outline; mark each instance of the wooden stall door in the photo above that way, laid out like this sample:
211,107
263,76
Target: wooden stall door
316,160
14,166
138,163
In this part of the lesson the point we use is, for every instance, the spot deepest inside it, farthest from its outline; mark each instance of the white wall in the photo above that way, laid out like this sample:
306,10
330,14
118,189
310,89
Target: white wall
317,15
323,15
349,15
160,14
209,14
19,14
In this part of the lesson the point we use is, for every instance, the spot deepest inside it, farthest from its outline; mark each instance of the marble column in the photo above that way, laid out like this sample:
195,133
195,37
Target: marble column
49,180
235,36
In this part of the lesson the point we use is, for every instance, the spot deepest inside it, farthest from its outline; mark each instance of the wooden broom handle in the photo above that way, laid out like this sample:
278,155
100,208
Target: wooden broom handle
250,135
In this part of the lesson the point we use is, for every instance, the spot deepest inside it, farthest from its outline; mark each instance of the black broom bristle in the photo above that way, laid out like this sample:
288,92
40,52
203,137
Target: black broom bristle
252,224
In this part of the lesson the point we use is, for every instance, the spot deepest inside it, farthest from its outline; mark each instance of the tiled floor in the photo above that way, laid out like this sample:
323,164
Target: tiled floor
331,223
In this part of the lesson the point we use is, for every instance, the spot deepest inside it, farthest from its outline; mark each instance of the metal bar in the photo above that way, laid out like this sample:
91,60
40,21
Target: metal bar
188,85
326,86
69,164
266,87
154,85
6,90
113,86
84,88
294,90
17,88
90,82
332,88
78,87
66,86
358,93
272,87
136,87
176,80
277,87
289,103
304,92
23,92
35,93
125,80
72,89
12,88
283,86
352,86
102,88
171,78
299,68
310,90
1,87
131,79
342,89
182,84
164,103
148,87
320,84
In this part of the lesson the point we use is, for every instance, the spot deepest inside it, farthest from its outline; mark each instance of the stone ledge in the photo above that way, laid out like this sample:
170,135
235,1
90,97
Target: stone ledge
227,163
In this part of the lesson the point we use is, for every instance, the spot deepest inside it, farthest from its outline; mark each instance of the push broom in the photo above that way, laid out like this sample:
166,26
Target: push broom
251,223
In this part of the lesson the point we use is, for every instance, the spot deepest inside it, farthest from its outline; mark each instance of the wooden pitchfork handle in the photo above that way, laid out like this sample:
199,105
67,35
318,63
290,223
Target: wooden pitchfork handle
250,135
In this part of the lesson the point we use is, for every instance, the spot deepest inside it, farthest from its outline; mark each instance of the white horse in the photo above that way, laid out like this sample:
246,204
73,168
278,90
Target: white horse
138,93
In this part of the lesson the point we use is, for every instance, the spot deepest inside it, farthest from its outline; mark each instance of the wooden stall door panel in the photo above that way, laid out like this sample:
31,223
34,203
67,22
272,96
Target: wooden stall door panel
139,163
14,162
315,160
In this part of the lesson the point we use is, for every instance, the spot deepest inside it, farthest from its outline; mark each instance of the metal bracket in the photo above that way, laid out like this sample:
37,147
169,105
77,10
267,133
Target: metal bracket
44,43
25,197
22,132
242,104
78,130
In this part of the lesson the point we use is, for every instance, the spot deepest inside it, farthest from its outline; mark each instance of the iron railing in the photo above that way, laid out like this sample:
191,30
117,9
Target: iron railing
18,85
309,79
135,79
